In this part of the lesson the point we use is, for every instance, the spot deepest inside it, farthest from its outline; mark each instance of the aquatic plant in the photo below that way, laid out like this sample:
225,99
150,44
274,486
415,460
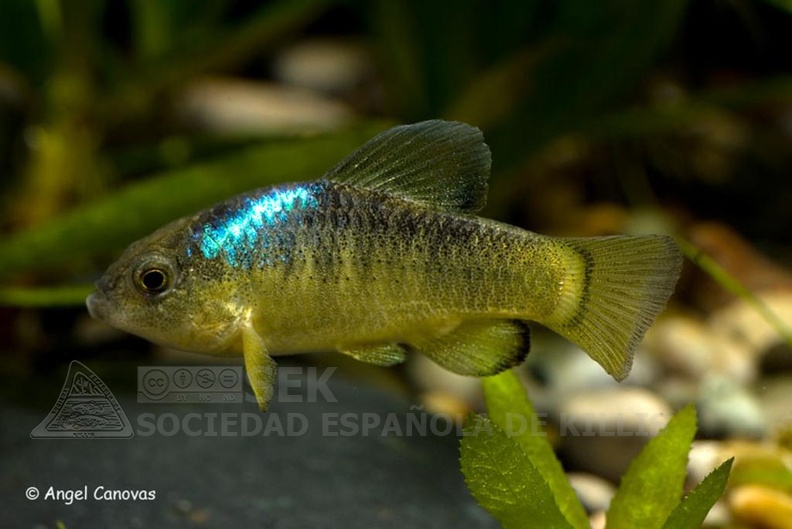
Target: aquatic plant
514,473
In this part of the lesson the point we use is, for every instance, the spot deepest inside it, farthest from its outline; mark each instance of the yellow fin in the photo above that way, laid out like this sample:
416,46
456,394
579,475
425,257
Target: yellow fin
385,355
613,294
262,371
478,348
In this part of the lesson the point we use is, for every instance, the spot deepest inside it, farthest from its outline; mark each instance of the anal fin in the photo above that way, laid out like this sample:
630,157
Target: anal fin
385,355
478,348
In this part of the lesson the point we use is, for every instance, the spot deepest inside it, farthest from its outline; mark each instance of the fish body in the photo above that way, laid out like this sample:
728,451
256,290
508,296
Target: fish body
379,257
348,267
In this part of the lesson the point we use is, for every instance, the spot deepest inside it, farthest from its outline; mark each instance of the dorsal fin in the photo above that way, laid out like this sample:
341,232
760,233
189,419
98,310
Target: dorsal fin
441,164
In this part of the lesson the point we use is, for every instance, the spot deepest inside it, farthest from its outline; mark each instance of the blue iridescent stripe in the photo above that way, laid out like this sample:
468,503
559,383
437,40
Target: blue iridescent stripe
248,235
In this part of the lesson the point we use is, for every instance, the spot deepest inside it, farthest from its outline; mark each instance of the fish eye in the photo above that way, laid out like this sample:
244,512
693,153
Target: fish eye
153,278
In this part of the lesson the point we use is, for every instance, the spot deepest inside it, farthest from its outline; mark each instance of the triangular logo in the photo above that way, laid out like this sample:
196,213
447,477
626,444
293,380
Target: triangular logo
86,408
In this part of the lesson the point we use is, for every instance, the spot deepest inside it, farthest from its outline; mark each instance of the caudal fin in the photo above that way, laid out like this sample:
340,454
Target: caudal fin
613,293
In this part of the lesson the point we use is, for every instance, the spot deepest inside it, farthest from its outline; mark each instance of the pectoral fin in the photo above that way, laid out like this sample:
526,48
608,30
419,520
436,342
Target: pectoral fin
382,355
478,348
261,369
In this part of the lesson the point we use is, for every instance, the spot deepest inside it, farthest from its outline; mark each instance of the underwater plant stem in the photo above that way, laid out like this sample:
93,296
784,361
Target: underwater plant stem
733,285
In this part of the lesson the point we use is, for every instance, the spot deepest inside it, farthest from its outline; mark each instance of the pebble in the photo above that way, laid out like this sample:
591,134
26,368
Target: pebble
440,402
328,65
429,378
602,431
630,410
740,259
742,324
731,317
567,369
718,516
598,520
728,409
751,459
677,391
234,106
703,458
760,506
694,349
594,492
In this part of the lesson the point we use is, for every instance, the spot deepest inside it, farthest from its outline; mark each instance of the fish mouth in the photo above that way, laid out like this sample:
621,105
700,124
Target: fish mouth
96,303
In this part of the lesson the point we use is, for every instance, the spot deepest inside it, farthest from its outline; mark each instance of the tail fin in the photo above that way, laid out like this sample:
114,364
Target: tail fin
613,293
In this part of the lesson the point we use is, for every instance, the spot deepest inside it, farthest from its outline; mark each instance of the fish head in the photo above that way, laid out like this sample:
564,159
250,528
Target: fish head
159,290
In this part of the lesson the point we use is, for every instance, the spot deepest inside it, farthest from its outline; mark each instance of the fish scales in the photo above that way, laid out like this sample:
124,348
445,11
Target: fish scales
392,266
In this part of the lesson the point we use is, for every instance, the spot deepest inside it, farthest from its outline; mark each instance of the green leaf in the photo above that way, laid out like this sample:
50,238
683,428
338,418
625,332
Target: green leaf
773,474
270,23
136,210
25,45
652,486
503,480
691,511
666,117
597,53
431,54
496,91
45,297
786,5
509,408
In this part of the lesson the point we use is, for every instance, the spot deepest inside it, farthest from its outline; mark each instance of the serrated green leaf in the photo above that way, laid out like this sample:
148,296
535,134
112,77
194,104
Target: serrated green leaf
503,480
691,511
509,408
652,486
115,221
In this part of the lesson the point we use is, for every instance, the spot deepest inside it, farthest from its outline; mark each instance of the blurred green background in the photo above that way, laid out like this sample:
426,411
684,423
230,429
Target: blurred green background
615,116
609,116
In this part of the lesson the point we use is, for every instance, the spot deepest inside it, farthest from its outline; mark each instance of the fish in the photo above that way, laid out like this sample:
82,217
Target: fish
382,257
